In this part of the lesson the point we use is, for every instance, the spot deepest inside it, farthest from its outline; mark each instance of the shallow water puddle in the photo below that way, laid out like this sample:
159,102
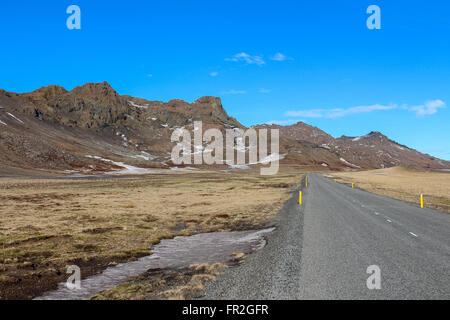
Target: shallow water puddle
169,253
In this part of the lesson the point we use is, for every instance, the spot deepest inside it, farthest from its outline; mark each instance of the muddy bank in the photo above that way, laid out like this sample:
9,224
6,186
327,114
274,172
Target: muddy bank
20,287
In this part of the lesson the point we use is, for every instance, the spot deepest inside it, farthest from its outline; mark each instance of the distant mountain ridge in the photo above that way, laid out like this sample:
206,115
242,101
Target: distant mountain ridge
72,131
372,151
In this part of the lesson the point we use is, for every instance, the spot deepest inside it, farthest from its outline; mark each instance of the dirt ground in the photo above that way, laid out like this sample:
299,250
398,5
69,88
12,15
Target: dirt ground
46,225
404,184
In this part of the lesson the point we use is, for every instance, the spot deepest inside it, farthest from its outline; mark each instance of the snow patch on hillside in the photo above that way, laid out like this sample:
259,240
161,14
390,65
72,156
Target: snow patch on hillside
145,156
349,164
183,169
272,158
239,166
14,117
138,106
128,169
266,160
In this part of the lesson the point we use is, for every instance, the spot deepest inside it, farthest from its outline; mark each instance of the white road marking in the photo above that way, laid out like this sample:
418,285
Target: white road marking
413,234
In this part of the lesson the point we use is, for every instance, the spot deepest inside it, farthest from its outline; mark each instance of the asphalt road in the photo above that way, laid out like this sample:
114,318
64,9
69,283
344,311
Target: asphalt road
322,249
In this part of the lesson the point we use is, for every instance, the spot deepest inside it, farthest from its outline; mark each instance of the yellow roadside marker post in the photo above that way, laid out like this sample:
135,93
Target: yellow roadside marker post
353,186
300,198
421,201
306,185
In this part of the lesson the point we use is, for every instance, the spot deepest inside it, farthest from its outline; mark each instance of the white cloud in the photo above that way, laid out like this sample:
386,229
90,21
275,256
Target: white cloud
427,109
283,122
338,112
249,59
313,113
232,91
263,90
214,74
280,57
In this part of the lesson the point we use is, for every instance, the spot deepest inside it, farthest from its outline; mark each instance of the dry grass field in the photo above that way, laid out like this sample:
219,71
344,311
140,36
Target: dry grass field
46,225
404,184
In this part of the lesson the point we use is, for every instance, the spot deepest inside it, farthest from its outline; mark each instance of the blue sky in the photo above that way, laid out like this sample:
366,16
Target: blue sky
281,61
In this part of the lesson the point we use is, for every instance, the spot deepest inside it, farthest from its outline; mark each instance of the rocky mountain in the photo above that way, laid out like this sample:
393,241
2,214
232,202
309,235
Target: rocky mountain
93,129
373,150
55,129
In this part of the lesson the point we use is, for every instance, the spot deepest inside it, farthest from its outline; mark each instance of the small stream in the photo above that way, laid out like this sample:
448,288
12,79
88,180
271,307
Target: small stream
169,253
